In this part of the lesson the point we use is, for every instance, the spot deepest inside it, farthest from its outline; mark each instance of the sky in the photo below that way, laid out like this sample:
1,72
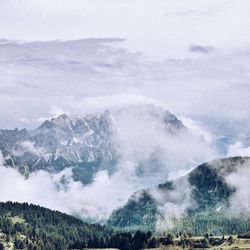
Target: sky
160,27
82,56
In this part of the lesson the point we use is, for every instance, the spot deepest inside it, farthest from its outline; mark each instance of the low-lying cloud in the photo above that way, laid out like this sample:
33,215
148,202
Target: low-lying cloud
172,204
239,179
238,149
150,152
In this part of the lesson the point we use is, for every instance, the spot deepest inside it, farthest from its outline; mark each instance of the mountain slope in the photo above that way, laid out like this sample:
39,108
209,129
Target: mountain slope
24,226
35,227
203,194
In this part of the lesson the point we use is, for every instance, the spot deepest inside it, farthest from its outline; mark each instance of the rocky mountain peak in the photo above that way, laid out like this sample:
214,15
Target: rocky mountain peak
85,144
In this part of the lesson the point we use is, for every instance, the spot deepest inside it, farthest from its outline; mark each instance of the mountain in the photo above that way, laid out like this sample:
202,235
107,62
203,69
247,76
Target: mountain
81,143
198,202
85,144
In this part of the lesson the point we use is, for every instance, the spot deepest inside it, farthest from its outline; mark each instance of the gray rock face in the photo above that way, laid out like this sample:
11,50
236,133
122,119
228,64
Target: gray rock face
85,144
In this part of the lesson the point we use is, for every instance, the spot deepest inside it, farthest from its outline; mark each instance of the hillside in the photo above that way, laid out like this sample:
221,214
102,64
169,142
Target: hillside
34,227
198,202
31,227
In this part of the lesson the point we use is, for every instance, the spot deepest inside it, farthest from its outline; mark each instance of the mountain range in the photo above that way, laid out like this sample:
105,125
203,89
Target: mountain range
142,135
85,144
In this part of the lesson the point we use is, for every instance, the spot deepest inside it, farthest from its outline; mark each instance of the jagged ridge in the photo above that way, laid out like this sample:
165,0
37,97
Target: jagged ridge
85,144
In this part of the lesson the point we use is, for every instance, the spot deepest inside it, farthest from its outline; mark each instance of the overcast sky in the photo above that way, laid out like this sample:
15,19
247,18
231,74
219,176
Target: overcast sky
192,57
162,27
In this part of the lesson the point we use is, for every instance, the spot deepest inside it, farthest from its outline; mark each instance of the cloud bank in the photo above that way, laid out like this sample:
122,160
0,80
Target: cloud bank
149,154
240,201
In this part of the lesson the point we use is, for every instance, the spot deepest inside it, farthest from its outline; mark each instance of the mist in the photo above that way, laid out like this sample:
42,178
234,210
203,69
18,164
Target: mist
240,200
172,205
149,154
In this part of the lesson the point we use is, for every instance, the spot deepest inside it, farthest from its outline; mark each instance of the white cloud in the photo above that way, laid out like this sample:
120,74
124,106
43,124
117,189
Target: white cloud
240,200
172,204
95,201
40,80
28,146
56,111
142,137
38,189
196,129
238,149
171,26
